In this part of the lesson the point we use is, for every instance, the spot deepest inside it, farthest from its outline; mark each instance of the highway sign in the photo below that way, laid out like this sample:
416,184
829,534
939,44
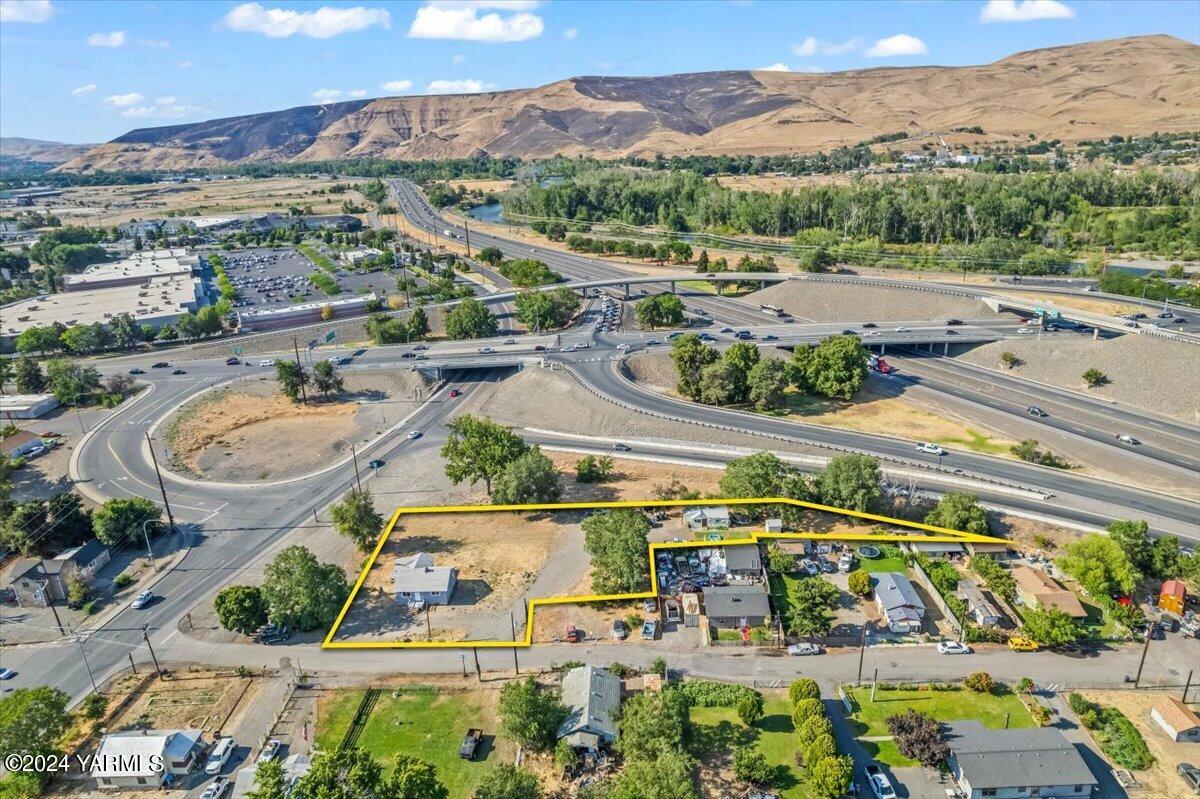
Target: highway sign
237,350
330,336
312,344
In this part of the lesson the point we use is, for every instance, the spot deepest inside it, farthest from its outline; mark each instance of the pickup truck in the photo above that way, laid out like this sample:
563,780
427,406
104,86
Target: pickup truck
881,786
470,743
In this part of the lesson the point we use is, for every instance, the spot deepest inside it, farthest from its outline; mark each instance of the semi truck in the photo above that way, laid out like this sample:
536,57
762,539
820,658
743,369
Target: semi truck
877,364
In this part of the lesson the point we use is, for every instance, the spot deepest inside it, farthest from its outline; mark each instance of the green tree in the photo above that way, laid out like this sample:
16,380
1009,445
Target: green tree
762,474
417,324
767,381
268,781
530,479
355,517
526,272
1050,627
70,381
750,766
652,724
852,482
1099,565
668,776
617,543
241,608
414,778
593,469
119,522
32,722
1133,537
1009,359
830,776
326,379
778,561
350,773
291,377
719,383
806,709
301,592
811,603
690,356
1094,377
508,782
1166,559
750,708
859,582
918,736
803,688
29,376
84,339
470,319
530,714
661,310
838,367
490,255
479,449
958,510
42,340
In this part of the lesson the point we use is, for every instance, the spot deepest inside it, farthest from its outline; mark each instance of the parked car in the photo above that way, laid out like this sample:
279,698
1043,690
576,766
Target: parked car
620,630
1190,776
1020,644
846,562
826,565
650,630
217,789
470,743
953,648
810,567
219,755
650,605
270,750
881,786
804,649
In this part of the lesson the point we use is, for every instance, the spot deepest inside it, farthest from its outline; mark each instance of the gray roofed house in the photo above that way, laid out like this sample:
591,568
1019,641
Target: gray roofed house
899,602
983,611
734,606
593,699
417,581
712,517
1016,763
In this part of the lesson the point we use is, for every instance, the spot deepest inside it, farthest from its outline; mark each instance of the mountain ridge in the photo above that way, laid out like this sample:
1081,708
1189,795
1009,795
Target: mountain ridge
1072,92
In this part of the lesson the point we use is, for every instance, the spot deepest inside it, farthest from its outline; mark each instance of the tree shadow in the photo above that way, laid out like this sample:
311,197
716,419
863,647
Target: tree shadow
469,592
705,740
411,545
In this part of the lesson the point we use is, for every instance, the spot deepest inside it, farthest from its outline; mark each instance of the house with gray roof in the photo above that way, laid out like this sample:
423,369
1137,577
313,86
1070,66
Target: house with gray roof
899,602
593,699
417,582
1013,764
735,606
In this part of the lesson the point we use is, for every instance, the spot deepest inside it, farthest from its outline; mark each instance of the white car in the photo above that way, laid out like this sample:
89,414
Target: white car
267,362
1025,331
7,674
932,449
270,751
142,600
217,789
953,648
1125,438
569,348
845,562
903,330
414,434
485,350
804,649
35,451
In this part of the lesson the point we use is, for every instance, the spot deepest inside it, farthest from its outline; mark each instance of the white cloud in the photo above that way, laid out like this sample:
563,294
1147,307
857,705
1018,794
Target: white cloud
164,100
397,86
461,20
158,44
900,44
124,100
184,64
458,58
1024,11
467,86
327,95
91,87
776,67
114,39
571,34
356,93
814,46
34,11
160,110
324,23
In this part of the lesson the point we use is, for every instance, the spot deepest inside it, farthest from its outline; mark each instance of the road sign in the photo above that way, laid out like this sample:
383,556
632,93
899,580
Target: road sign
312,344
330,336
237,350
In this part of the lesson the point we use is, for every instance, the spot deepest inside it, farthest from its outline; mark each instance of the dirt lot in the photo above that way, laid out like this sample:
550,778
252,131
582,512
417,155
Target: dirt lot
246,431
1160,780
202,700
1078,303
112,205
848,302
1143,371
632,479
483,185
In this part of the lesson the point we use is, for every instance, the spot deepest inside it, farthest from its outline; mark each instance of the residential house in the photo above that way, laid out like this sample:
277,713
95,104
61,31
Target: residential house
1036,589
146,758
20,443
983,611
715,517
1178,721
418,582
592,696
997,551
1172,597
36,582
1012,764
735,606
899,602
294,767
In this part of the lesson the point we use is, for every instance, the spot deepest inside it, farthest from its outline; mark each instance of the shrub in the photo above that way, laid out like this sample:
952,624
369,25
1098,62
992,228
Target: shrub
803,688
859,582
980,682
750,766
750,709
704,693
659,667
122,580
819,748
812,728
806,709
94,706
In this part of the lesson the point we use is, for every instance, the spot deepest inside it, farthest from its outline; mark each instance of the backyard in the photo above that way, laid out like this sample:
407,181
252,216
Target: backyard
428,723
717,731
999,709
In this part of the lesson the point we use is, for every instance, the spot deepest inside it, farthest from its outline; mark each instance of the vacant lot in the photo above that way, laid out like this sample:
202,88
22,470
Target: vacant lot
112,205
1160,780
189,700
248,431
717,732
1143,371
820,301
632,479
424,722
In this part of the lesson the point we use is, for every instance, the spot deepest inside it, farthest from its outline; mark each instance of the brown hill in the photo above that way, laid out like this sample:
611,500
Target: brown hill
39,151
1132,85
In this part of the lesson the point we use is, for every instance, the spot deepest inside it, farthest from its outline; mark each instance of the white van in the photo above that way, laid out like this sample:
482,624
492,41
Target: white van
219,756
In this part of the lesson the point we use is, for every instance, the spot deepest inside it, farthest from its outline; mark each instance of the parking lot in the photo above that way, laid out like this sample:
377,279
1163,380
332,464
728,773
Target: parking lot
266,278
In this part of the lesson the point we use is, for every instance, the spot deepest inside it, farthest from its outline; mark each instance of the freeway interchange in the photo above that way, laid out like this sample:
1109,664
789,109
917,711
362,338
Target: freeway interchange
227,526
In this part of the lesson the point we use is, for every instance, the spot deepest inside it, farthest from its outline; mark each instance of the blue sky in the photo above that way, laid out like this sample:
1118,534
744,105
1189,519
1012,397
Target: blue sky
89,71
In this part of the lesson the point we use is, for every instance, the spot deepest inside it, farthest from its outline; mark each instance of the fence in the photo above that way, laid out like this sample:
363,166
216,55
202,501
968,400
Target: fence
937,598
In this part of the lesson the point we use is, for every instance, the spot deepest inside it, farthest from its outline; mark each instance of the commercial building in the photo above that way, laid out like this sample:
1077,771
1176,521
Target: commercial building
290,315
26,406
358,255
138,268
592,696
146,759
1013,764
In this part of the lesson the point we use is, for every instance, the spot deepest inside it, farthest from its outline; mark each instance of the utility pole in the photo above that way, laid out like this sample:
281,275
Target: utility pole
86,665
513,624
467,235
132,665
1187,686
862,653
357,476
161,486
300,369
1141,663
50,600
146,638
478,671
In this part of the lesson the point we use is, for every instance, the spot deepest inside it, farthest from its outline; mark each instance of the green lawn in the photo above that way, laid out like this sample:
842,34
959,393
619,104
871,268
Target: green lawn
885,563
311,253
989,709
976,442
886,752
423,722
716,729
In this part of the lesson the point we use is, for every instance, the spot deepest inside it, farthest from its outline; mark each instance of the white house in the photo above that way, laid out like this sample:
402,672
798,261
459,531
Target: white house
715,517
418,582
899,602
146,758
1178,721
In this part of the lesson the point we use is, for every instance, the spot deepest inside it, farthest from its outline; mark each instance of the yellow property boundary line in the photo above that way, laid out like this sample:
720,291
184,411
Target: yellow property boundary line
938,535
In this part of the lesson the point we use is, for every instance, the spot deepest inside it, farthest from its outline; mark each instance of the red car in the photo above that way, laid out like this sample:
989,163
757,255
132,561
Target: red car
454,392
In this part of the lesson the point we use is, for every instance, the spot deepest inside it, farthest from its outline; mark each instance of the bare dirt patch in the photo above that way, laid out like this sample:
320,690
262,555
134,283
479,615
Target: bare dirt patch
483,184
851,302
1107,307
248,430
187,700
632,479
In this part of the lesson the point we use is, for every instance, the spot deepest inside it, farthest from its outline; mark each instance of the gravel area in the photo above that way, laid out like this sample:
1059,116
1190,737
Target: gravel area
849,302
1146,372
